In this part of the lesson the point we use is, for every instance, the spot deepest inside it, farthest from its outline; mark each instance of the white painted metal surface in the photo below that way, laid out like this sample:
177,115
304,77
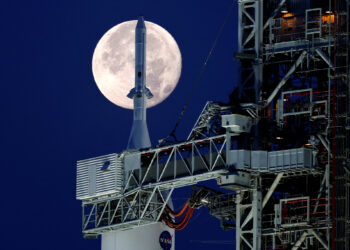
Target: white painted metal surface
99,176
144,237
237,123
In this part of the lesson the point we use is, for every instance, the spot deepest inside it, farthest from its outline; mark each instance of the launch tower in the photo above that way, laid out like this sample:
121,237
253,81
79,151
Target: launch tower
281,144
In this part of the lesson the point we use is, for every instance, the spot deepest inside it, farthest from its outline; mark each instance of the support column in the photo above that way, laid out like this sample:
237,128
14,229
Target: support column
257,207
238,220
250,34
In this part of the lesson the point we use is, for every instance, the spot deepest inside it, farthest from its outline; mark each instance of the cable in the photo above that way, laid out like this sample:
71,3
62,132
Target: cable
180,212
183,223
178,224
186,223
201,72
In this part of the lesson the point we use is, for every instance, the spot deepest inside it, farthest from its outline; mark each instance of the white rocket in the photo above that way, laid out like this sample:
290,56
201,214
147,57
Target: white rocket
139,137
155,236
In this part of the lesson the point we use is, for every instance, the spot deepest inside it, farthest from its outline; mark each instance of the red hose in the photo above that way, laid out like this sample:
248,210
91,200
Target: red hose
183,223
188,220
179,224
180,212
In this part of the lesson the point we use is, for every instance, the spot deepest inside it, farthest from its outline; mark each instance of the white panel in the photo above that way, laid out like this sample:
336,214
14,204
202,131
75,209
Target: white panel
290,159
144,237
92,181
259,160
236,123
132,161
240,159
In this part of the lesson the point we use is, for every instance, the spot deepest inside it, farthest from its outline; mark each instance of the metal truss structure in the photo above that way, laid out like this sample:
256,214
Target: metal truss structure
157,172
131,210
281,145
209,121
250,35
149,185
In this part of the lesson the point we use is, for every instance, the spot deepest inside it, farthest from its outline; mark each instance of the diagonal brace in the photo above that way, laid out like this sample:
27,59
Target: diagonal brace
266,198
286,77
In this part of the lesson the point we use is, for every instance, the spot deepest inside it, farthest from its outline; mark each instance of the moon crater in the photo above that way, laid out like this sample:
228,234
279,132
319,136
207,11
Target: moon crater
113,63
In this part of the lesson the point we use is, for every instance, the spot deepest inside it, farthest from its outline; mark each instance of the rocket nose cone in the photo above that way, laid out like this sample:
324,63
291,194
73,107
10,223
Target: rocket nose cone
140,23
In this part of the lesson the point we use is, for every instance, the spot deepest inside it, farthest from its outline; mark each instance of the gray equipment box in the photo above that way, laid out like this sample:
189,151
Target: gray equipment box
236,123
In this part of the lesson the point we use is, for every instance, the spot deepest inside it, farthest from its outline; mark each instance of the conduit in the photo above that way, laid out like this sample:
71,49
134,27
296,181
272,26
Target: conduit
183,219
180,212
183,223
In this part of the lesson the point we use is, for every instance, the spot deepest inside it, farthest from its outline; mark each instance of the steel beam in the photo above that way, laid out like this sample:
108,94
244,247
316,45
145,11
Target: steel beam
325,58
286,77
300,241
250,37
274,13
257,217
319,238
238,219
266,198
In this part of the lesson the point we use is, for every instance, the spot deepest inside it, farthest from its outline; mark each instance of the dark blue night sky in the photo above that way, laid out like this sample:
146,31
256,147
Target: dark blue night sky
52,113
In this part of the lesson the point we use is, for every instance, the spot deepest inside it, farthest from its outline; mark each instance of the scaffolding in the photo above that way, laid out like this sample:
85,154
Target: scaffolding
281,146
300,78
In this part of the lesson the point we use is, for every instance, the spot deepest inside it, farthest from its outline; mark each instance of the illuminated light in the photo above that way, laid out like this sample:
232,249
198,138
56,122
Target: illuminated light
287,15
308,144
284,11
329,18
205,201
279,138
329,12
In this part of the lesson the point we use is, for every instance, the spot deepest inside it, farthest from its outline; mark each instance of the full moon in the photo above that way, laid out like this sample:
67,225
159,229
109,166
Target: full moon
113,63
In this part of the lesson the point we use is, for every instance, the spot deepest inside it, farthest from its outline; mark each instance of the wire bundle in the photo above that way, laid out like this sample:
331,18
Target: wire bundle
182,217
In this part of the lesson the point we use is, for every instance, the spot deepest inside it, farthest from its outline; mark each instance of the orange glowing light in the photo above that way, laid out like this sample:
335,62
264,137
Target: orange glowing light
287,15
328,19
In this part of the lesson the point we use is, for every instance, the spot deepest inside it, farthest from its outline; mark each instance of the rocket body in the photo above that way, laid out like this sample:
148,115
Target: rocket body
147,237
139,136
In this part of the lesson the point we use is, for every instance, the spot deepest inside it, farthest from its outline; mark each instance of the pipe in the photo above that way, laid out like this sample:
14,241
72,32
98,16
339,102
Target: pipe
180,212
183,223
